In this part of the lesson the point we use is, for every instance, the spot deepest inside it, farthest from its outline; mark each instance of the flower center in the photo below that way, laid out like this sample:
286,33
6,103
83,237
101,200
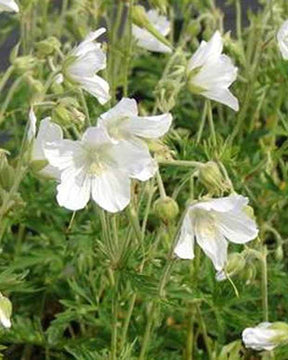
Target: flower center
117,129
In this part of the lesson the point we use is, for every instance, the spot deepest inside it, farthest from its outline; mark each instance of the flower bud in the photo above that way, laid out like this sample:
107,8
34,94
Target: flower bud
235,264
211,177
279,253
166,209
140,18
24,63
66,113
160,4
5,311
47,47
7,172
266,336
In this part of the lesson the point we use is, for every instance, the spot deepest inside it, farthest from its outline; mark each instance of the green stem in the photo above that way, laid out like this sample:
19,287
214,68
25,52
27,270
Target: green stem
85,107
160,185
264,284
181,163
204,332
6,77
151,316
211,123
190,336
202,123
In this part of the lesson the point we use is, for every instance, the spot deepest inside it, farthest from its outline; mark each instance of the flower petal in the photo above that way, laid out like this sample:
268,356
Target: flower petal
96,86
31,133
111,190
212,243
282,37
184,248
125,108
149,42
224,96
150,126
224,204
8,5
74,191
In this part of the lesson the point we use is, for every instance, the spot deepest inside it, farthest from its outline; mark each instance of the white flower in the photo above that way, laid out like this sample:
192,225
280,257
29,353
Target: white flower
265,336
210,72
282,37
48,132
8,5
92,167
148,41
5,311
83,63
127,129
212,223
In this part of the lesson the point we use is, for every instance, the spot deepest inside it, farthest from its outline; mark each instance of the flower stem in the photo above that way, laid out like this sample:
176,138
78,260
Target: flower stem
180,163
6,77
264,284
211,123
160,185
151,316
202,123
204,332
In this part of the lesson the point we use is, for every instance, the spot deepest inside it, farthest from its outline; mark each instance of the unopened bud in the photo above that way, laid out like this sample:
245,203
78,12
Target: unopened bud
24,63
279,253
211,177
7,172
235,264
5,311
140,18
166,209
48,46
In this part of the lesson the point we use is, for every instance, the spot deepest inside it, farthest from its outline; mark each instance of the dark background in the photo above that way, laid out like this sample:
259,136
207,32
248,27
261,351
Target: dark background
229,19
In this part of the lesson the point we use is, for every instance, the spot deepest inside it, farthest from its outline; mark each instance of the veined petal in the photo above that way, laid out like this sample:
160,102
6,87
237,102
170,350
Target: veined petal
8,5
212,242
97,87
150,126
134,158
74,191
125,108
147,41
184,248
237,227
62,154
111,190
224,204
48,132
207,52
224,96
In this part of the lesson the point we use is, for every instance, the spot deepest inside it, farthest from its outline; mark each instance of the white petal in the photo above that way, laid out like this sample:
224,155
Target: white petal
150,126
97,87
111,190
207,52
260,337
160,22
125,108
8,5
62,154
149,42
224,96
134,157
96,137
88,43
224,204
185,244
88,64
282,37
31,133
211,241
74,191
237,226
48,132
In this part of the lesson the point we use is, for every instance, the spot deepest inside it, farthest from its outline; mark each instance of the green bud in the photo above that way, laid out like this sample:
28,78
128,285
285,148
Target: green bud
47,47
211,177
281,337
194,28
5,311
7,172
139,18
231,351
235,264
37,88
279,253
24,63
166,209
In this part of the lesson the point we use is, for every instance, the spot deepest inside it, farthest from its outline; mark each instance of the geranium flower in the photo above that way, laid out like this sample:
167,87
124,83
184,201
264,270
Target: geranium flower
48,132
126,128
93,167
147,40
8,5
212,223
265,336
83,63
282,37
210,73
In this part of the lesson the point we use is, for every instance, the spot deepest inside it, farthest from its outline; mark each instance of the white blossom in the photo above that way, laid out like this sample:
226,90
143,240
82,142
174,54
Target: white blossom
8,5
127,129
265,336
147,40
282,37
5,311
48,132
210,73
212,223
84,62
